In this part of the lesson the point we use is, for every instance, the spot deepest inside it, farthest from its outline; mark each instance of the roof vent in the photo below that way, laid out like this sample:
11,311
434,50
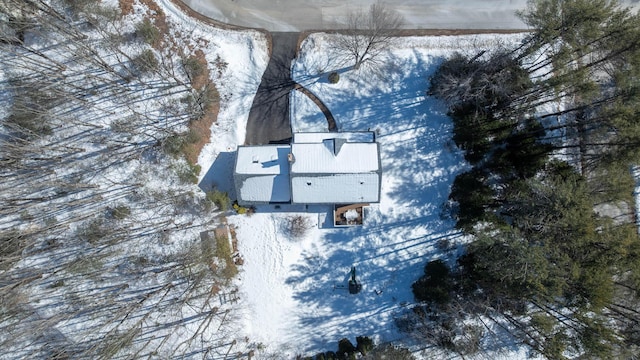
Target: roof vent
255,159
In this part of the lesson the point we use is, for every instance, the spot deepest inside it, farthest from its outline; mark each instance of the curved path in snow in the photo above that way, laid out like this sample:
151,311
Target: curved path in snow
269,119
331,121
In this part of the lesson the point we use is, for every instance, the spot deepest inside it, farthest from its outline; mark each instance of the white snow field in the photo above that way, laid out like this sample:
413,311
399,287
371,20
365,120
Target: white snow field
294,289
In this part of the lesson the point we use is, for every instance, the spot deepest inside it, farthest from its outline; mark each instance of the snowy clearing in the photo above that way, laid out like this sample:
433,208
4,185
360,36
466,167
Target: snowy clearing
295,288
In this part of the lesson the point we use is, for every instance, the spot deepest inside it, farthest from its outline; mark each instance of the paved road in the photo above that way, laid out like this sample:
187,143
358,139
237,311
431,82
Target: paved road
269,116
298,15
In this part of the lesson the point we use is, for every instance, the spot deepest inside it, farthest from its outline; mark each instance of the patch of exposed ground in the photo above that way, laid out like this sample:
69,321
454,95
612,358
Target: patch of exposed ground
201,82
202,126
126,6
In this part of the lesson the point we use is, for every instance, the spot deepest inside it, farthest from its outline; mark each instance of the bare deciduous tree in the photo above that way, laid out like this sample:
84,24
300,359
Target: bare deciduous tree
297,226
79,113
369,33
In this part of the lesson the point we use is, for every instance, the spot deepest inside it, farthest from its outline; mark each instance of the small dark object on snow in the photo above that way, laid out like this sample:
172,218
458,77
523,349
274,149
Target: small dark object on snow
354,285
334,77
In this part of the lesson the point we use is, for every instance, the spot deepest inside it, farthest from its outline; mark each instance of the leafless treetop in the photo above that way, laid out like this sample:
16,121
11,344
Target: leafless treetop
369,33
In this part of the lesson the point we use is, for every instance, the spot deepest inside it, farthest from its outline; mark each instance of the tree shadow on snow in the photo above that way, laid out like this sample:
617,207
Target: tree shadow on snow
402,234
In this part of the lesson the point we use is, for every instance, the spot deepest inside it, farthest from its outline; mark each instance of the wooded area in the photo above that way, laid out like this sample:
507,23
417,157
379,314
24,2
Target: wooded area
552,131
97,121
97,118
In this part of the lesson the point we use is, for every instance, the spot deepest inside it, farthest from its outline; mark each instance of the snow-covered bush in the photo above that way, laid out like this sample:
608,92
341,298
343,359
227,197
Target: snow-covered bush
188,173
390,351
346,350
364,344
249,210
193,67
11,246
148,32
119,212
145,62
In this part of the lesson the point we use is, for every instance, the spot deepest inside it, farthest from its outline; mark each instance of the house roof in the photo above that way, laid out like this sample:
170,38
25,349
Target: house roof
318,137
318,168
335,157
262,174
336,189
265,159
335,171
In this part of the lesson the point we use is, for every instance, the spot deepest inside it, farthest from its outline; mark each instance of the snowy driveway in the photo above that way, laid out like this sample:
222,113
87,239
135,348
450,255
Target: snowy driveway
269,116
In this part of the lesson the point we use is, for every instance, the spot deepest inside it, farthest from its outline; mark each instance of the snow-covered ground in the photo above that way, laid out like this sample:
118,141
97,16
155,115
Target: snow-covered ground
294,288
138,286
245,56
292,296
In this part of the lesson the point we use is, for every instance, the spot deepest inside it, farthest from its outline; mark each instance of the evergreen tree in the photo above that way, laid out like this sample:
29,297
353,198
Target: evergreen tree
563,274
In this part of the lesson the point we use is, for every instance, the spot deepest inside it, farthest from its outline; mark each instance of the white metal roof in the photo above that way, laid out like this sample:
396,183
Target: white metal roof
263,174
265,188
335,189
327,169
263,160
318,158
318,137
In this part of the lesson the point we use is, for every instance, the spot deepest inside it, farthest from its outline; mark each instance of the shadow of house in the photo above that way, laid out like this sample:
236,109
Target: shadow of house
220,175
